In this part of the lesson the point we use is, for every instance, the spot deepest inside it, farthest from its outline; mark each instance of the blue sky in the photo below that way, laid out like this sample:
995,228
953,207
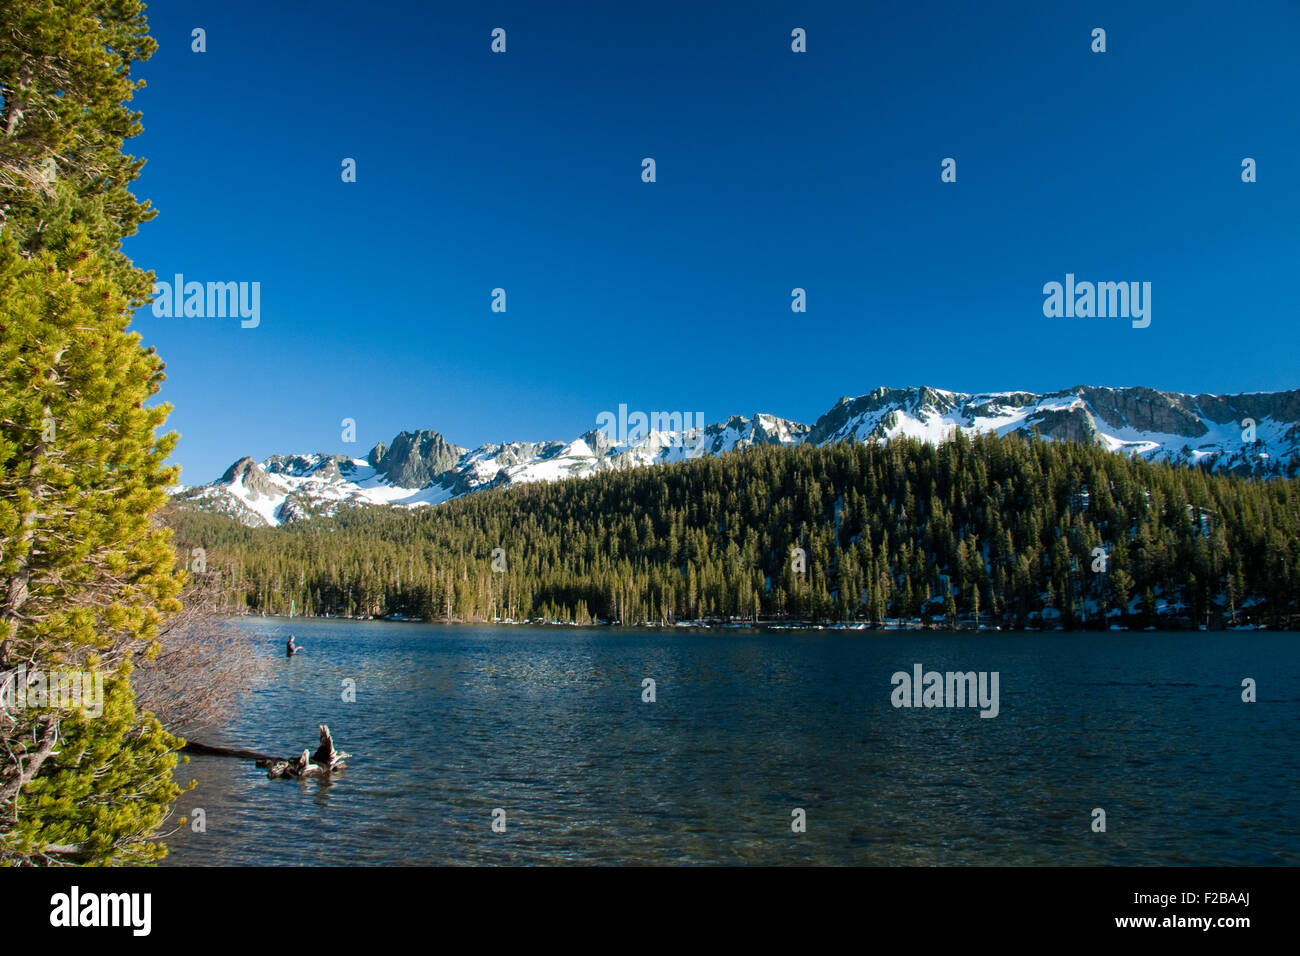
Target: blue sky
775,170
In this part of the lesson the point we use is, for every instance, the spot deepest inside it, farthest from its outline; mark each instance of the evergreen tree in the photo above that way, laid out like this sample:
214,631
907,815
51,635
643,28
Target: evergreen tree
86,573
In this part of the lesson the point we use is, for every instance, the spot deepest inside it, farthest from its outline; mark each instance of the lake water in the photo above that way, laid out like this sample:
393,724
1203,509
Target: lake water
549,725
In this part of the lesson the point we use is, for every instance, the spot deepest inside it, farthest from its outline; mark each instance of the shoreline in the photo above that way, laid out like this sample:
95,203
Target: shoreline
721,625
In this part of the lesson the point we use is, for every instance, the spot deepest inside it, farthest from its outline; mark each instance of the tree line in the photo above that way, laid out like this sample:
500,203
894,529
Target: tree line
1003,531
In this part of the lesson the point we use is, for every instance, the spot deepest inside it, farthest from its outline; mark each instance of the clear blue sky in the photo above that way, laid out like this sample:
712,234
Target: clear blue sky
775,170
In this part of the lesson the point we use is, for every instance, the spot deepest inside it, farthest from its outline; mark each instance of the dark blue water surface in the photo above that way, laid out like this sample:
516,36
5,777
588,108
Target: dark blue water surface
548,724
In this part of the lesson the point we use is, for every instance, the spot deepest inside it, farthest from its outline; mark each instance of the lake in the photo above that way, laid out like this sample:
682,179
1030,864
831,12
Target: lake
549,725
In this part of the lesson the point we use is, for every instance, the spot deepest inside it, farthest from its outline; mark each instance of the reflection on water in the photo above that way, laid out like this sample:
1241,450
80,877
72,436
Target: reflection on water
549,725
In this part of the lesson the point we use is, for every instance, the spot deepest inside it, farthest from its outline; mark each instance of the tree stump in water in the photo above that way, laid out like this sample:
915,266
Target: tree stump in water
324,762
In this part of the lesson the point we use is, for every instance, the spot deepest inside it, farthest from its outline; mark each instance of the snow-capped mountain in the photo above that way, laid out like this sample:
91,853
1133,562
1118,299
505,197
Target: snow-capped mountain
1254,434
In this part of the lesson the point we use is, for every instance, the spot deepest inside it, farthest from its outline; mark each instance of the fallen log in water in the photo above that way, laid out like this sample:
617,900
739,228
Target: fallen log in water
322,763
194,747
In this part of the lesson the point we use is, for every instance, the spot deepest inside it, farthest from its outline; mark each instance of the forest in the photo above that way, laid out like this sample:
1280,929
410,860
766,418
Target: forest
984,531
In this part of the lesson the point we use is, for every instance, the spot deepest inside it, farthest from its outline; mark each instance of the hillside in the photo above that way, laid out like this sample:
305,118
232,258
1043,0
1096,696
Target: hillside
996,530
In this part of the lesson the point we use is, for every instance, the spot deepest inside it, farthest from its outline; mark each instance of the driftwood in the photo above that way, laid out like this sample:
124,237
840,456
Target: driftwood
322,763
194,747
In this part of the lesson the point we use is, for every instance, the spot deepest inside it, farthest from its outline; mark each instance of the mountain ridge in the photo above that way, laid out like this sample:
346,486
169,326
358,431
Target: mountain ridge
422,468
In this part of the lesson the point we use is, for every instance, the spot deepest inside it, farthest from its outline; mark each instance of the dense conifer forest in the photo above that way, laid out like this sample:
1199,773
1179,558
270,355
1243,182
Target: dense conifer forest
985,531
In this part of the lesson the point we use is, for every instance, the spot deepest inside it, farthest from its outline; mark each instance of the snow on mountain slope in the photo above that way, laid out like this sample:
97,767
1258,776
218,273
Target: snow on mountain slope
290,488
422,468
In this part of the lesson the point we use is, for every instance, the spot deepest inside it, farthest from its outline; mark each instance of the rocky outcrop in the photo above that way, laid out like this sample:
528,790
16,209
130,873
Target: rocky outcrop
254,479
415,459
1144,409
1067,424
322,467
878,405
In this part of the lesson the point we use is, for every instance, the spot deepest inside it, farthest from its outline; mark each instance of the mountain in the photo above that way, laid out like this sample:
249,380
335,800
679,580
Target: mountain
423,468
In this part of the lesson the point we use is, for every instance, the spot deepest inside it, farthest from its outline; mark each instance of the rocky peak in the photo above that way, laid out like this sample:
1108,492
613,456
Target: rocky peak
249,473
416,458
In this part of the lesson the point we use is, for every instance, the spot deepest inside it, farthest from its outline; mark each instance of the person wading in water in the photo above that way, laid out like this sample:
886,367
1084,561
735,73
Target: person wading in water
290,649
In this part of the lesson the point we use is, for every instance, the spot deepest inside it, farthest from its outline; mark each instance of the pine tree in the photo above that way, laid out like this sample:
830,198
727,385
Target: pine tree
87,574
65,79
69,815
